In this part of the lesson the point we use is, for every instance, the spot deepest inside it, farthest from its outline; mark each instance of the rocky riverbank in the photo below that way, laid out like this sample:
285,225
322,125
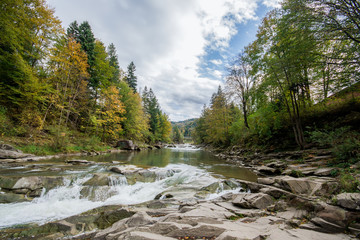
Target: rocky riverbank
296,197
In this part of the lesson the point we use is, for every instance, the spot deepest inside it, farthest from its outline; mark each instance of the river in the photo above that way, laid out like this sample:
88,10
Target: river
182,172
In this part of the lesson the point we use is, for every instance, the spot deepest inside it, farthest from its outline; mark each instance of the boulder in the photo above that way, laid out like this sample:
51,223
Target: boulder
78,162
9,152
348,200
307,185
98,180
139,219
323,172
266,181
253,200
12,197
37,182
267,170
125,145
201,232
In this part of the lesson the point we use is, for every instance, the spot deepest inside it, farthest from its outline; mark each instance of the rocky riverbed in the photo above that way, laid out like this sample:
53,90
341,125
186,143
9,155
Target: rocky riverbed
180,202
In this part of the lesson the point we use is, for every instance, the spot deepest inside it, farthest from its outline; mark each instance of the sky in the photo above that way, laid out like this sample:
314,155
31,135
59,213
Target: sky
180,47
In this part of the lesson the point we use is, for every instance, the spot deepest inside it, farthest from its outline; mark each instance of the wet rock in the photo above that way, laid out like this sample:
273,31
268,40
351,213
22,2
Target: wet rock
253,200
98,179
31,183
140,219
34,184
8,182
157,146
11,198
125,145
79,162
348,200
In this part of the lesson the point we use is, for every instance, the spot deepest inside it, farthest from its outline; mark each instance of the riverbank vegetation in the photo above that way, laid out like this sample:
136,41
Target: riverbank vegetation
63,90
295,86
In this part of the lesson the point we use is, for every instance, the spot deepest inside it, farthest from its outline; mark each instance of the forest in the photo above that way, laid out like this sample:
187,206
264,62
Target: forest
63,90
295,86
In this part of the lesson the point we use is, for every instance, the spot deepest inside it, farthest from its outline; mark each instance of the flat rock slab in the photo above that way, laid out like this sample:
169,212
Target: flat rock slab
348,200
253,200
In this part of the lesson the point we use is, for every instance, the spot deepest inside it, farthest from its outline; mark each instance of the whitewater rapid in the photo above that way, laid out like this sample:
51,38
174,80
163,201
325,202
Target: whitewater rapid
67,200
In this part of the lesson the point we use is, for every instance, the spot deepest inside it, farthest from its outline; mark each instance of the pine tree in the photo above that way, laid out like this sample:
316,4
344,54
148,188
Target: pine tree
114,63
131,79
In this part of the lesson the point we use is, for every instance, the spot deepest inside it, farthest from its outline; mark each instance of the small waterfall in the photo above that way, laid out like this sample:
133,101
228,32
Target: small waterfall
117,181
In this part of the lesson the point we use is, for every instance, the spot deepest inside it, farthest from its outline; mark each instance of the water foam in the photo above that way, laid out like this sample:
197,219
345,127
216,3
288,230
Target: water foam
68,200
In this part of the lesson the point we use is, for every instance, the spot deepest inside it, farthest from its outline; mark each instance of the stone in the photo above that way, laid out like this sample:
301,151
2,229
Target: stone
78,162
163,228
139,219
267,170
147,236
348,200
266,181
8,182
274,192
11,198
9,152
253,200
32,183
125,145
156,204
98,180
204,231
326,226
324,172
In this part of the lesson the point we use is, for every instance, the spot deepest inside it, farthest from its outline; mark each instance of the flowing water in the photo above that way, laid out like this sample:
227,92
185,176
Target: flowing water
182,171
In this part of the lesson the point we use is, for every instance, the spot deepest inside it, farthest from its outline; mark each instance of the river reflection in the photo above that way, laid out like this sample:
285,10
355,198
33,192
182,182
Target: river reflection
189,156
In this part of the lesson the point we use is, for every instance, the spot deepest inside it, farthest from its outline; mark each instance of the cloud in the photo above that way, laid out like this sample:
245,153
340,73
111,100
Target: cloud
272,3
216,61
167,40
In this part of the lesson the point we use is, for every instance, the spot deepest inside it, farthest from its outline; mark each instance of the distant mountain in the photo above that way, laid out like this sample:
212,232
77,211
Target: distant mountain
185,126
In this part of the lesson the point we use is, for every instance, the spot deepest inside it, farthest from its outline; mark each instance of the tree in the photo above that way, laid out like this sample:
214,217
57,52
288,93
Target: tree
68,63
239,83
131,79
177,135
114,64
111,111
27,29
135,122
101,70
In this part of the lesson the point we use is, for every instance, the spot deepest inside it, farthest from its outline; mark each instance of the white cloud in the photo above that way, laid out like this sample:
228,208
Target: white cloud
272,3
166,40
216,61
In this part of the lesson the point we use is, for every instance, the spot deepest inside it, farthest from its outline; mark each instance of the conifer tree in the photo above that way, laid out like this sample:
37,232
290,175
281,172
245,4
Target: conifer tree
131,78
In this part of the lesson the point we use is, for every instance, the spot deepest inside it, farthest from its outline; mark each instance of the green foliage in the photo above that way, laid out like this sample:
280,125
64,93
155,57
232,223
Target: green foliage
348,183
344,143
296,173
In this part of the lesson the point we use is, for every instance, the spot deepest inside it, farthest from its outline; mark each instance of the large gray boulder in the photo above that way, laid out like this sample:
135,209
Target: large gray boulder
125,145
9,152
308,185
253,200
348,200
